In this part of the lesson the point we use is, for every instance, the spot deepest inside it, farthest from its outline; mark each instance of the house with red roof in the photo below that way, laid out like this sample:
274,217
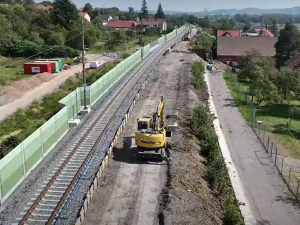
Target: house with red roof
85,15
265,33
232,49
123,25
42,7
154,22
229,33
293,62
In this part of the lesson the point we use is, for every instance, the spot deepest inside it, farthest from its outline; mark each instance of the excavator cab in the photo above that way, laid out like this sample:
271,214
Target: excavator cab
144,123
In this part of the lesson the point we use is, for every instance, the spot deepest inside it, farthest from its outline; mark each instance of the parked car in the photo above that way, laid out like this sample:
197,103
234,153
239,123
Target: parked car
94,64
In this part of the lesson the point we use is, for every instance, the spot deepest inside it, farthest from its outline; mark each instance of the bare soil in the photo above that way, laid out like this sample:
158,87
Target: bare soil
159,192
22,93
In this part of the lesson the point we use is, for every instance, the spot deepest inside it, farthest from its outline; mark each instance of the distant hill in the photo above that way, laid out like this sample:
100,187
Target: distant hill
294,10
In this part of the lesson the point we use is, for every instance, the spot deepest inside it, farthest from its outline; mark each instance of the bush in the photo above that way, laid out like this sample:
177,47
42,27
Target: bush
231,216
216,170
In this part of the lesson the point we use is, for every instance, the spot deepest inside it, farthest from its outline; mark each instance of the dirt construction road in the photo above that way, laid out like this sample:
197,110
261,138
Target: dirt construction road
268,196
40,91
131,188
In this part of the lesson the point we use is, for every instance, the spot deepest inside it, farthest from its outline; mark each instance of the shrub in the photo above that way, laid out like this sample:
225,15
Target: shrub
216,170
231,216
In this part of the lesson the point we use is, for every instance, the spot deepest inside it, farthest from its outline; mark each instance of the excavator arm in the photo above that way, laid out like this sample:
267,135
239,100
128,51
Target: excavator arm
160,113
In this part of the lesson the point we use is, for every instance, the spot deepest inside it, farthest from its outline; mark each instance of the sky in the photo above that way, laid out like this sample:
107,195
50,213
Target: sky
192,5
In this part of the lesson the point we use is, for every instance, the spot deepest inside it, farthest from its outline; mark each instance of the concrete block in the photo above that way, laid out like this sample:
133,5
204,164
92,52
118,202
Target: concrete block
83,112
85,206
88,197
95,183
82,214
74,122
78,222
92,192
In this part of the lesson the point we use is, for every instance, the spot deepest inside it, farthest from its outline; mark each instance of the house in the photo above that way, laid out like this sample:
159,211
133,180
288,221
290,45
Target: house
233,48
294,62
230,33
42,7
265,33
105,18
85,15
154,22
123,25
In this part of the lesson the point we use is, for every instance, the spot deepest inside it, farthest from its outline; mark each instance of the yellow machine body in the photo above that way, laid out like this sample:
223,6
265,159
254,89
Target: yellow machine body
151,134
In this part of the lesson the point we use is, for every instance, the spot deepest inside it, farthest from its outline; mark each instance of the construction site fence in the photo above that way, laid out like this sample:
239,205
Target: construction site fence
19,163
286,166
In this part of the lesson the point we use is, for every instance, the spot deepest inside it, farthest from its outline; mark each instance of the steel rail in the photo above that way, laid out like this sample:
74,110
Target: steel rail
92,151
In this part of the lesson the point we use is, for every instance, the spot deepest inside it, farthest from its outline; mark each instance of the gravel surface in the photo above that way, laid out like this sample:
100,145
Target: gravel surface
264,188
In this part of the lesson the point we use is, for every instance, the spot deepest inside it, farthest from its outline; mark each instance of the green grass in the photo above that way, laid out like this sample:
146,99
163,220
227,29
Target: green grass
274,119
128,47
9,75
25,121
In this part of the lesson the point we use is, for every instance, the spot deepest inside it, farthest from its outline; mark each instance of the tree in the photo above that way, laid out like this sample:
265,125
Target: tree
116,38
262,88
293,113
248,63
89,9
204,22
144,9
247,27
131,13
56,38
160,13
287,82
46,3
274,28
65,12
288,44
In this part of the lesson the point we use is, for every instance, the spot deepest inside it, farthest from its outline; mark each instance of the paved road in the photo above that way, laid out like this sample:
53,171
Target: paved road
268,196
39,92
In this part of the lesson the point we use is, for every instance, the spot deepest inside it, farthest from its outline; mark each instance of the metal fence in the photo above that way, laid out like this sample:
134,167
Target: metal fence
19,163
286,166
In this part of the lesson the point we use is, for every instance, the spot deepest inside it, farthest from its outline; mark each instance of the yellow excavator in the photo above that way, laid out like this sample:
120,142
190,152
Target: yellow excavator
150,138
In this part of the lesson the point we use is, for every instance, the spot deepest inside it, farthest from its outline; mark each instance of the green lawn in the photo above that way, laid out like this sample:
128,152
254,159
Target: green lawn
128,47
274,119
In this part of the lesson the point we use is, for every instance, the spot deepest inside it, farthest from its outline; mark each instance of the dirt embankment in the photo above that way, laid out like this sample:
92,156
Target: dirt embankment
187,198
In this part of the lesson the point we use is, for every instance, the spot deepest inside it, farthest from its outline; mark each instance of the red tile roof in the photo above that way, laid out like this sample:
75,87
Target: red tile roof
122,24
265,33
40,6
232,33
83,14
153,22
293,62
237,46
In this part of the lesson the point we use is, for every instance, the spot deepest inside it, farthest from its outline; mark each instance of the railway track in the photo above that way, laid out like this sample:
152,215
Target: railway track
52,197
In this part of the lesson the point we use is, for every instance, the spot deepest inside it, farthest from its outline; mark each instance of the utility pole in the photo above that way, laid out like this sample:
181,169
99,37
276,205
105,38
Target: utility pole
83,66
142,41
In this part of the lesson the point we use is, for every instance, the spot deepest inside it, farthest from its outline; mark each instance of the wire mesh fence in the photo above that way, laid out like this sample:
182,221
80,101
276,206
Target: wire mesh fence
288,168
